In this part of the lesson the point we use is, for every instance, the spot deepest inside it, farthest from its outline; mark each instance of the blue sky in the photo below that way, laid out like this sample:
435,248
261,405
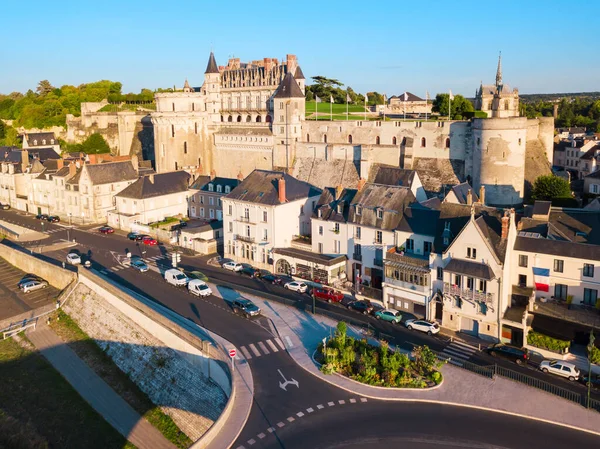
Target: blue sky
384,46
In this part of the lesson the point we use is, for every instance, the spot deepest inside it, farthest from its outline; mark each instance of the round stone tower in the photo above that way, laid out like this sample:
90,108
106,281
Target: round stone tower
499,159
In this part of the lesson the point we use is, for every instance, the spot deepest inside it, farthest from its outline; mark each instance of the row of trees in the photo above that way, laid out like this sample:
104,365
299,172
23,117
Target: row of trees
578,111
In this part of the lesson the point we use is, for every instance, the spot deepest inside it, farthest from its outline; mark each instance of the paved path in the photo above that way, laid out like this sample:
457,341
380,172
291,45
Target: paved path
460,387
94,390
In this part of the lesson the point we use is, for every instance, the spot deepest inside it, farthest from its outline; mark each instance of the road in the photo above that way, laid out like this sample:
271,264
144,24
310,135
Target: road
271,365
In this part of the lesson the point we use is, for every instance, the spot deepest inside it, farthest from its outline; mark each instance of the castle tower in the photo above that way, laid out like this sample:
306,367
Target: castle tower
497,100
300,79
288,114
212,89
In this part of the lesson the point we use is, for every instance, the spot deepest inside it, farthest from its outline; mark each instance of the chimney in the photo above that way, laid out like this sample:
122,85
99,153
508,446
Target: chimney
213,175
92,159
24,160
240,176
72,169
482,195
505,221
135,161
281,189
338,192
60,163
361,183
469,197
151,178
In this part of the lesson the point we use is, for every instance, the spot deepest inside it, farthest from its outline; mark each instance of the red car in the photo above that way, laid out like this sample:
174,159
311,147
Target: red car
149,241
327,294
106,230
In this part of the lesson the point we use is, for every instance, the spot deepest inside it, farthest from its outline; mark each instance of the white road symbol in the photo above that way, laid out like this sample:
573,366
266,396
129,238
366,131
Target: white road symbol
283,385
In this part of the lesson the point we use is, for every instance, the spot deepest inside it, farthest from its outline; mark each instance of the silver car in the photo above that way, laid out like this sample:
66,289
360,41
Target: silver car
33,285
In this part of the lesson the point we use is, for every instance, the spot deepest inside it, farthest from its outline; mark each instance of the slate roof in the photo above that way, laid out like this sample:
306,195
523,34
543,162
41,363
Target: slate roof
541,208
75,178
594,175
262,187
328,205
288,88
591,153
43,153
392,200
14,155
410,97
470,268
461,190
62,172
432,203
299,75
40,137
110,172
202,182
211,67
309,256
391,176
157,185
577,225
419,220
557,248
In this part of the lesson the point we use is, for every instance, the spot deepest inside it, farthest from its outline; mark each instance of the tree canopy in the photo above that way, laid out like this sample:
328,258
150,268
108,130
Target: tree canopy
577,111
94,144
458,106
326,88
550,187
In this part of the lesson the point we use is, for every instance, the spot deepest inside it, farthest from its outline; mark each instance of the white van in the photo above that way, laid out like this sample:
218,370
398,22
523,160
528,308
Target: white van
176,277
199,288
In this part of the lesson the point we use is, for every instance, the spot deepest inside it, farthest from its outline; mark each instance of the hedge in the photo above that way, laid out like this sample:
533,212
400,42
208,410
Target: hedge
545,342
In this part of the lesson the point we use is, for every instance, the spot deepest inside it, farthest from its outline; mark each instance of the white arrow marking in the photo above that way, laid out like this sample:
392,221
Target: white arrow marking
283,385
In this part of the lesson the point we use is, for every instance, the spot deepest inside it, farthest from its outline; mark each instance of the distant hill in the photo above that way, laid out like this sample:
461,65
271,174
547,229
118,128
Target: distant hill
534,98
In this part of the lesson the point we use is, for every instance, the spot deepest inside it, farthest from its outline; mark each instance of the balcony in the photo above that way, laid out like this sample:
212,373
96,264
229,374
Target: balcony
243,238
357,257
487,298
247,220
378,262
303,242
406,285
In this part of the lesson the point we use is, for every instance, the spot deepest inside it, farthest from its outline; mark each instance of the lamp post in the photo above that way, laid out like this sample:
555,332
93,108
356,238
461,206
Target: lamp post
590,348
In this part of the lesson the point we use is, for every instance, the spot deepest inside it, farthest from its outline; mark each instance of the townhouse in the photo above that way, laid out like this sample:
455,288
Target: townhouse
205,200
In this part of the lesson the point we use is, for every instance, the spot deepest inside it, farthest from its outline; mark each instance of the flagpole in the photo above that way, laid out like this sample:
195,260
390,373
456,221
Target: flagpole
346,106
426,98
384,107
331,108
365,107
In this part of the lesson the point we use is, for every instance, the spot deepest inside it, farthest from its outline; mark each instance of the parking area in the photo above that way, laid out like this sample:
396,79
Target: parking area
12,300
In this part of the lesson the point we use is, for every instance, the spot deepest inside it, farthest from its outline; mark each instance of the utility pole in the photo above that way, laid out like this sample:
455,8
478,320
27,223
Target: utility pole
590,348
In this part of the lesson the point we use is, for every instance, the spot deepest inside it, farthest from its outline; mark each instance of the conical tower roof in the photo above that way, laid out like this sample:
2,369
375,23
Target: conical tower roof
212,67
299,75
288,88
499,71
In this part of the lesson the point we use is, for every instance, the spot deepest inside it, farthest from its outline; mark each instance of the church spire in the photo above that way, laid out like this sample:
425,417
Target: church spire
212,67
499,71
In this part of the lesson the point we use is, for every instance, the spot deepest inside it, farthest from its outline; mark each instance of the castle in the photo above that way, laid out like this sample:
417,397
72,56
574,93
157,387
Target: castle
248,116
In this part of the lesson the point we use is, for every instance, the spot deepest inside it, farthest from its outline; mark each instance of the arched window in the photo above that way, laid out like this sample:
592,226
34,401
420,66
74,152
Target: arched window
222,119
258,119
324,138
394,140
349,138
248,118
239,118
308,137
268,119
377,140
184,147
423,142
447,142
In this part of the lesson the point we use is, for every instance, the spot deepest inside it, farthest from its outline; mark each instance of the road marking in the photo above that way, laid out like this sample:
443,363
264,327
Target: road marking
352,401
453,353
245,352
299,414
261,435
310,410
280,343
289,342
363,399
280,424
254,350
272,346
464,346
291,419
240,447
283,385
342,402
114,268
271,429
320,406
251,441
263,347
331,404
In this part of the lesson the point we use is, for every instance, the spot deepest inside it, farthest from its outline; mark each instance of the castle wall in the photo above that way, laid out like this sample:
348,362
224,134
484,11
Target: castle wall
546,136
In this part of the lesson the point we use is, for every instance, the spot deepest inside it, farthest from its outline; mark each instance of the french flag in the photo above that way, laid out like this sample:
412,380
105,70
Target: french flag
541,277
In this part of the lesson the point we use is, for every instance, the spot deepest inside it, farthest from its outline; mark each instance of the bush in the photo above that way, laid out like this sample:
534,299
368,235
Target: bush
545,342
436,377
565,201
550,187
594,355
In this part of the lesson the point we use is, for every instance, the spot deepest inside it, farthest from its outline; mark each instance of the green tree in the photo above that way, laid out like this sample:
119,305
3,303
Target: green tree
324,88
2,130
459,105
424,360
375,98
548,187
44,87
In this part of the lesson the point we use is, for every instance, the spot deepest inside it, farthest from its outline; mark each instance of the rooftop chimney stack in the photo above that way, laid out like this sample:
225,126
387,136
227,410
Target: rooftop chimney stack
469,197
72,169
281,189
361,183
213,174
151,178
505,221
60,163
482,195
240,176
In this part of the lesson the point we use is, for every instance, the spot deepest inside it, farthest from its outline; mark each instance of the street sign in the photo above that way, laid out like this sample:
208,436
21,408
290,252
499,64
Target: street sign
232,353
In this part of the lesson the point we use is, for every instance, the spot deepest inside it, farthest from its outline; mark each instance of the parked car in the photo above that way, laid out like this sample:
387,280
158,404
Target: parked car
512,353
233,266
296,286
423,326
245,307
272,279
4,206
139,265
594,380
34,285
28,278
249,270
327,294
41,216
199,288
182,224
53,219
175,277
393,316
262,273
147,240
134,236
363,307
106,230
73,258
560,368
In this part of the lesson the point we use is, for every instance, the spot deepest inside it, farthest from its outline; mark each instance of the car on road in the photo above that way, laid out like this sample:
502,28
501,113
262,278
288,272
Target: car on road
4,206
41,216
327,294
512,353
134,236
560,368
393,316
594,380
106,230
249,270
139,264
363,307
175,277
296,286
271,279
199,288
232,266
197,275
53,219
243,306
73,259
28,278
147,240
34,285
424,326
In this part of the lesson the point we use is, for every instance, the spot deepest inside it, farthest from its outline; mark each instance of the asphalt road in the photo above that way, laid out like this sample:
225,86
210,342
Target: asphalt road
382,424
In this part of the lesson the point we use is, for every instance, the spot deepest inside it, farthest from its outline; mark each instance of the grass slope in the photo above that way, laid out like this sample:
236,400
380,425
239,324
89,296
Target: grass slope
337,108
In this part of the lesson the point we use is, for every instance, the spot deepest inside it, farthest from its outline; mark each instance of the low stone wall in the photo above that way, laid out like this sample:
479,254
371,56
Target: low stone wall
176,375
56,276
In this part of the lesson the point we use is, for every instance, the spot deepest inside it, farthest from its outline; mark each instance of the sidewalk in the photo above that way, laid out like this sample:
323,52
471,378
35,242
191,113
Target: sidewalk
460,387
94,390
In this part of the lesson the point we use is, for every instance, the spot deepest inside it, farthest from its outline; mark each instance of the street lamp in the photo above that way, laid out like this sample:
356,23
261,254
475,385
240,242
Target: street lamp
590,348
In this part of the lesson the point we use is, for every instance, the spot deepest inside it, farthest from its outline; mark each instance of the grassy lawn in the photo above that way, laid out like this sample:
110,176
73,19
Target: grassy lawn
40,409
127,107
337,108
166,221
102,364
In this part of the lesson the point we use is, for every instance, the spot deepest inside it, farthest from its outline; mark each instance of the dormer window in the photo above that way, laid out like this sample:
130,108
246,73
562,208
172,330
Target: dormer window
358,209
379,213
211,187
320,213
52,141
219,188
227,189
339,208
35,142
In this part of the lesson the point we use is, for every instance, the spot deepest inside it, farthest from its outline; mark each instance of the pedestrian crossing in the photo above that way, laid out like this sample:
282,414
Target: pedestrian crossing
148,260
52,231
266,347
457,353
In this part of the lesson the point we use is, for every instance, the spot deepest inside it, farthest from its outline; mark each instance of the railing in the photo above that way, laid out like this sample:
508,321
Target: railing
357,257
243,219
243,238
469,294
371,292
378,262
